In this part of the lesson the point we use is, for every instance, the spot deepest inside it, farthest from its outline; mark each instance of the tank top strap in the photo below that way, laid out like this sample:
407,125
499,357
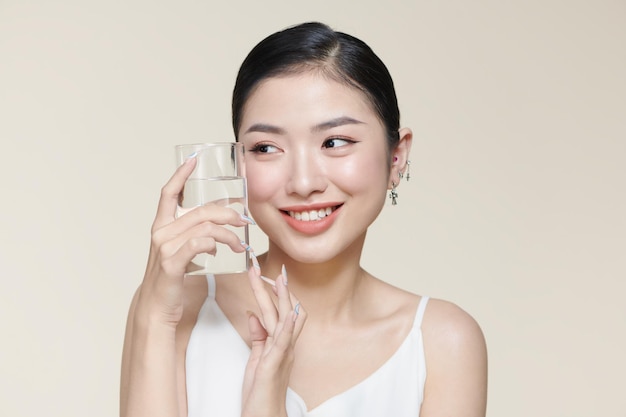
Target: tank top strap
210,279
419,314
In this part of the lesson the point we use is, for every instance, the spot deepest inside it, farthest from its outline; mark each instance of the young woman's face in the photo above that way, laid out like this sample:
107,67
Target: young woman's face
316,163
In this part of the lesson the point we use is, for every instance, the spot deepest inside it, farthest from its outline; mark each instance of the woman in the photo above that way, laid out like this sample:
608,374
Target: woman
317,114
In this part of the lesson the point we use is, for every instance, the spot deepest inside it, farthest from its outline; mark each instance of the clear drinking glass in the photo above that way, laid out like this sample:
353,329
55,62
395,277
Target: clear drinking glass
218,178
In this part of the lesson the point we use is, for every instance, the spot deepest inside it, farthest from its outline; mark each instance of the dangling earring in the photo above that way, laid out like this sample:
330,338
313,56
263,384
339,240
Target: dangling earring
408,169
393,194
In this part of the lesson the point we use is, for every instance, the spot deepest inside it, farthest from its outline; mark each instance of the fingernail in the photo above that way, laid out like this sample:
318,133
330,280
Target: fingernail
248,219
284,272
255,261
246,246
296,310
191,156
268,280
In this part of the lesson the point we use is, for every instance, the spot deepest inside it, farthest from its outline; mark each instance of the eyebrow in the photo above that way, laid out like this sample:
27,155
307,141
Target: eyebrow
339,121
265,128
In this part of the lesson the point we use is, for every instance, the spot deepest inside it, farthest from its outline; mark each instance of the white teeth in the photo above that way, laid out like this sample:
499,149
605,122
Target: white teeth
312,215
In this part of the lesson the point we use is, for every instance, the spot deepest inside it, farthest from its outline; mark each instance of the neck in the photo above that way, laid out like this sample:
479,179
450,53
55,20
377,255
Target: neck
330,290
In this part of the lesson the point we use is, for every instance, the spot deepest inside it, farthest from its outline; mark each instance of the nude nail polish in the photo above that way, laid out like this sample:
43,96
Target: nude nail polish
247,219
284,272
255,261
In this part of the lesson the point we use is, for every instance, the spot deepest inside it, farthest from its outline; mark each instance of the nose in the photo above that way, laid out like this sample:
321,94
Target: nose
308,175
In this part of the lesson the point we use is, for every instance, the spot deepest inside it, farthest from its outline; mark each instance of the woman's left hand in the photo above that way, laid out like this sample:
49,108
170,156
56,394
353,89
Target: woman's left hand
273,337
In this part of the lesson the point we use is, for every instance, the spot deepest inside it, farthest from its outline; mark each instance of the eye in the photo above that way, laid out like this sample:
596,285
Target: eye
263,148
336,142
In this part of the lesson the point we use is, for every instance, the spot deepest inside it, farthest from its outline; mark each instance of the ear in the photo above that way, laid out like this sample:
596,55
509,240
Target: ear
400,156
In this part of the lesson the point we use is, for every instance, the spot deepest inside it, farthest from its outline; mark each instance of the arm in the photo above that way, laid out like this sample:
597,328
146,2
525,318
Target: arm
456,358
150,384
148,380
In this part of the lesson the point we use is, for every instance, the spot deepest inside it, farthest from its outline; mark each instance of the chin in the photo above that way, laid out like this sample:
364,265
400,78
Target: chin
312,259
319,250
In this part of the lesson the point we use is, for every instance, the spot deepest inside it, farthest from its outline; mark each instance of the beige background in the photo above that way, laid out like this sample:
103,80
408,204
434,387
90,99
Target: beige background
515,209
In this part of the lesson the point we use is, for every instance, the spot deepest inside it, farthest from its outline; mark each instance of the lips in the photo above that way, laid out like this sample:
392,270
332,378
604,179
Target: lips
311,215
313,219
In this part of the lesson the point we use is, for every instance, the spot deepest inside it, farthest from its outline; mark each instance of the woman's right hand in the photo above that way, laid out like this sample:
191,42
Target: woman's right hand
174,243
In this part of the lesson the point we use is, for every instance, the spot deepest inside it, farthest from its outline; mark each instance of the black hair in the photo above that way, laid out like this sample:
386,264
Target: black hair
315,46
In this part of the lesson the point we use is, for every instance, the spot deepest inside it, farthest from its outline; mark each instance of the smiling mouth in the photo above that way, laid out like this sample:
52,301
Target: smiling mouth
311,215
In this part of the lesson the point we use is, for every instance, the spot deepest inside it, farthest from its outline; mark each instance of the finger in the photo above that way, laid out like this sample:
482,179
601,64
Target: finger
219,234
297,314
283,340
175,263
208,220
207,214
168,202
285,305
215,213
269,315
257,331
258,336
299,317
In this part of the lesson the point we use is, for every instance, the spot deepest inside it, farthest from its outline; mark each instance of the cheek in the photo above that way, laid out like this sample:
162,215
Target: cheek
262,183
365,173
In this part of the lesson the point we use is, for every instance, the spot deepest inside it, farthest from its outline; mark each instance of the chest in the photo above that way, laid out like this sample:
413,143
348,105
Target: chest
333,362
330,377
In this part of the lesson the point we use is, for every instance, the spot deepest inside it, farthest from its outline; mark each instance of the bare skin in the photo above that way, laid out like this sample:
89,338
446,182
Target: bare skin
152,382
312,143
446,328
330,351
453,341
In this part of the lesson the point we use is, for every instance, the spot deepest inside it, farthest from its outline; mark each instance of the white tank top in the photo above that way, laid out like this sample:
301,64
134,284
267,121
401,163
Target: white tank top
217,357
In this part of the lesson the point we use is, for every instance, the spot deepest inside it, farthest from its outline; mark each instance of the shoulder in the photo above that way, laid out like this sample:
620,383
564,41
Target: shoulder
448,325
456,361
452,335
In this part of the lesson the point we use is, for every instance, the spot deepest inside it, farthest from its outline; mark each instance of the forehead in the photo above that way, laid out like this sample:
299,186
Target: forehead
305,98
